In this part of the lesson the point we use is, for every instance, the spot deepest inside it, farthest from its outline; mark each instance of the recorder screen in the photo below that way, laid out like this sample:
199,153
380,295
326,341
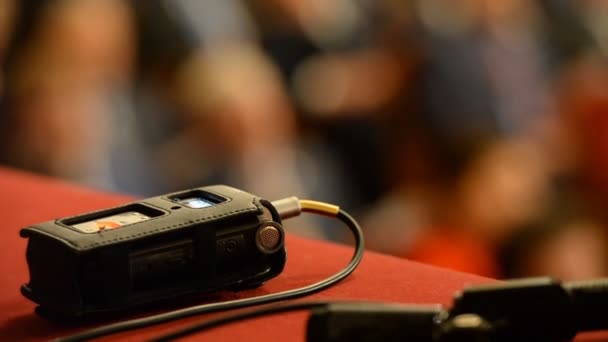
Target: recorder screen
195,202
111,222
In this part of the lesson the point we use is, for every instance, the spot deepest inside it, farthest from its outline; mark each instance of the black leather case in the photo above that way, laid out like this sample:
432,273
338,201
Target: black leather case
178,251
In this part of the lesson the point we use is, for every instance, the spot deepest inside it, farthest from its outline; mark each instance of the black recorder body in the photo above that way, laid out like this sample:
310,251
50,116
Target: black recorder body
196,241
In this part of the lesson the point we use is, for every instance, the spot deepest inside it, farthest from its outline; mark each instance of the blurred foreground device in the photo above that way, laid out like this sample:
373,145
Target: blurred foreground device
535,309
196,241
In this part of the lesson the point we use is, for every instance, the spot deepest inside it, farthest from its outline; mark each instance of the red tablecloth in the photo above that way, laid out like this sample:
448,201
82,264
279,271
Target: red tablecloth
26,199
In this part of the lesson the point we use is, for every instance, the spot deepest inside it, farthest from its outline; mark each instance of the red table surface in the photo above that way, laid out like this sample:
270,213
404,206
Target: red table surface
27,199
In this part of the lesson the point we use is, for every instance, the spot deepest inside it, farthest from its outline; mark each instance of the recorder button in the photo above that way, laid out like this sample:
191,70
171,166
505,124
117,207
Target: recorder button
269,238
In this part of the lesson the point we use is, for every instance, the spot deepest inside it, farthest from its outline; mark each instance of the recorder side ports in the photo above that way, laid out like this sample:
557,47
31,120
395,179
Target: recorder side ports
167,265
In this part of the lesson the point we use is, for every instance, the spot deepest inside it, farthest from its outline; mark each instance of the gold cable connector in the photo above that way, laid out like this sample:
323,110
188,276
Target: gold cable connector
292,206
319,207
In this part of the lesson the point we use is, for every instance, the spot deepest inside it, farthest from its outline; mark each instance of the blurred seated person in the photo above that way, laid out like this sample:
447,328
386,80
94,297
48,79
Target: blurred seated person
480,204
343,64
584,125
566,241
63,61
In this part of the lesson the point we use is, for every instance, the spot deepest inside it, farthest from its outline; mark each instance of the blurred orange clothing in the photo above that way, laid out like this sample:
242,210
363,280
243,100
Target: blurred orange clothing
455,250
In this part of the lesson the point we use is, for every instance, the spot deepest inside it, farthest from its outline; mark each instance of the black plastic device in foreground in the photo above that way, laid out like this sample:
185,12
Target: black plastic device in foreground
191,242
533,309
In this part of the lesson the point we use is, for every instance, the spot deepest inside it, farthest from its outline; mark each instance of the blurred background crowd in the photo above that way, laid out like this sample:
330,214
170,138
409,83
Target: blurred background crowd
471,134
